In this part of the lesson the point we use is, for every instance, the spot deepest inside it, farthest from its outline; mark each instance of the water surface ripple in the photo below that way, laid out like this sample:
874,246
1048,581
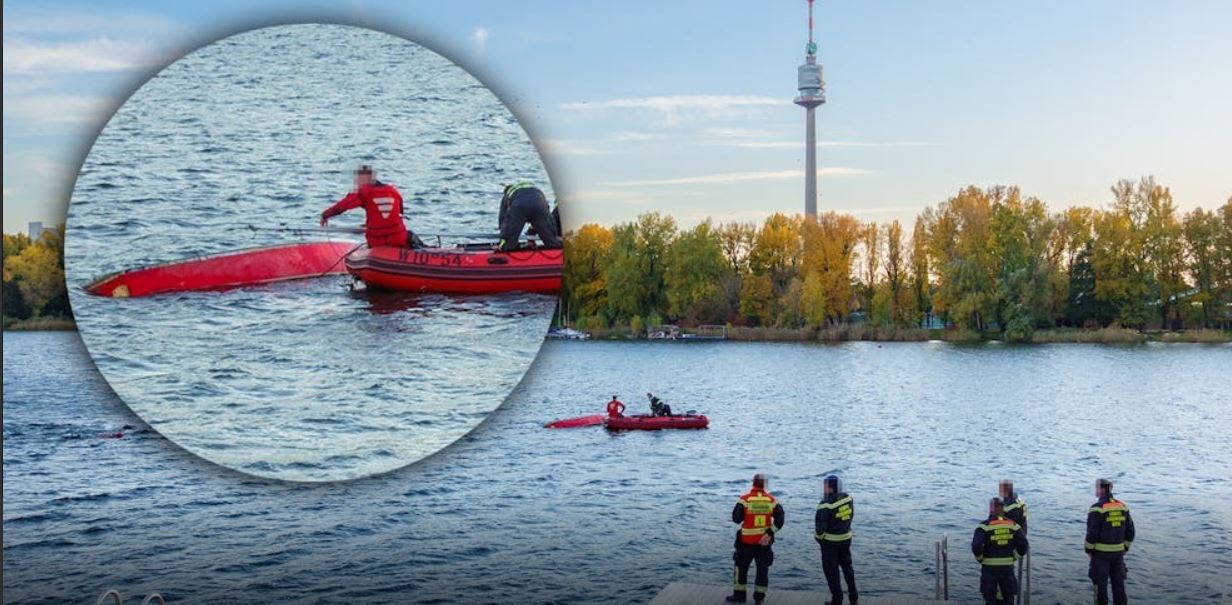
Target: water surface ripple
516,513
300,380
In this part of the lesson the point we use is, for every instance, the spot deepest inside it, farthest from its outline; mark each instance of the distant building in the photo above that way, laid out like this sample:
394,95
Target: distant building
37,230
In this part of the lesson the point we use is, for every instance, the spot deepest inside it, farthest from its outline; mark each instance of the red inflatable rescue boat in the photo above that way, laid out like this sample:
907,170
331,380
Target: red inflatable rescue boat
654,423
470,269
228,270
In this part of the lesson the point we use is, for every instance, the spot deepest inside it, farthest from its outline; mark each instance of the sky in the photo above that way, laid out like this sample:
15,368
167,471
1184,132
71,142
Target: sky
685,107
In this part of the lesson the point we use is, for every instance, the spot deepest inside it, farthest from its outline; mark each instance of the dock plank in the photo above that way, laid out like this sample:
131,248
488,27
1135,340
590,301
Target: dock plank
684,593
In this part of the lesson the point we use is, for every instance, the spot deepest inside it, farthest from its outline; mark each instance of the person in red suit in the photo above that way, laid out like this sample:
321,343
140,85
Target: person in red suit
615,408
382,205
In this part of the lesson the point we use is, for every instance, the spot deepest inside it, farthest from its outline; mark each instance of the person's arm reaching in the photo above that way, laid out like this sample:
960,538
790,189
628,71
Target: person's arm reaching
350,202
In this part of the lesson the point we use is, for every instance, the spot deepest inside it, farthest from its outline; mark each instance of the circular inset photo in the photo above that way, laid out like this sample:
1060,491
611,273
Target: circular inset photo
313,252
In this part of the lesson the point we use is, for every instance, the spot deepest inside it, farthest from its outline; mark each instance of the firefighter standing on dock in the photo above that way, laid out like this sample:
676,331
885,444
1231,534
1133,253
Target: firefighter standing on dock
1015,507
760,516
1110,532
997,544
833,532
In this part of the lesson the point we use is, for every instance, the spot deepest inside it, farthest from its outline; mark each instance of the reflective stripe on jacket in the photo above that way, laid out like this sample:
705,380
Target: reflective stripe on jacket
1110,529
758,513
833,520
998,542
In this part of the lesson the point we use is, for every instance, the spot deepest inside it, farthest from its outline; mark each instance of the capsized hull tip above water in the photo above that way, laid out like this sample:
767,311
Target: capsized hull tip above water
247,267
471,269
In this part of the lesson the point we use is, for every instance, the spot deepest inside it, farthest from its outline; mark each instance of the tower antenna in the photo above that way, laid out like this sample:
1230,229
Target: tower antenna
812,93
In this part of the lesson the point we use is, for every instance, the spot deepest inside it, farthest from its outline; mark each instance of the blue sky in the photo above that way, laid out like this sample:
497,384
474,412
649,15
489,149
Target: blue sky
685,107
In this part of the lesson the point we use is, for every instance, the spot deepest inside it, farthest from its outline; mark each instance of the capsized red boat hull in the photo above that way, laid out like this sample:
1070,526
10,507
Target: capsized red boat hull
654,423
229,270
462,270
573,423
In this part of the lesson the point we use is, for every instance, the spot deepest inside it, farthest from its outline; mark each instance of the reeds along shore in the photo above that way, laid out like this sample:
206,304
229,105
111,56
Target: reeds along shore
858,332
984,264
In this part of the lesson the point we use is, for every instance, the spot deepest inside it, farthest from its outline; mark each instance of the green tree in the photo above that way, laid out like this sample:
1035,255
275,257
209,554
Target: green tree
39,274
960,253
694,265
757,298
1122,282
920,284
776,249
1201,229
737,241
585,270
1021,232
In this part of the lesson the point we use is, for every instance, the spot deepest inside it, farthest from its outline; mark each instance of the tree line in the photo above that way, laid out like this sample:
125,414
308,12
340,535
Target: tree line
984,260
34,276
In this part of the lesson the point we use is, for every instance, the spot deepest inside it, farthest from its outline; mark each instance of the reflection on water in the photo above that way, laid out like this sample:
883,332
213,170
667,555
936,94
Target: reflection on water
921,433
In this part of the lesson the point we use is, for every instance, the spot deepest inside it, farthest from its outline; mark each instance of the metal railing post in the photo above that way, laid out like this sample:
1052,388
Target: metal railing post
945,558
1028,591
113,593
937,570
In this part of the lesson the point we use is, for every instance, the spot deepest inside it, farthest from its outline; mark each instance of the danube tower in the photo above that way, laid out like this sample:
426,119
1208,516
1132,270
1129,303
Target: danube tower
812,93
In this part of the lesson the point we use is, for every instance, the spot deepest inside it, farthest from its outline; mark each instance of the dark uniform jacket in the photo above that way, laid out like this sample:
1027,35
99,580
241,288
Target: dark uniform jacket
1110,529
1016,511
833,519
998,542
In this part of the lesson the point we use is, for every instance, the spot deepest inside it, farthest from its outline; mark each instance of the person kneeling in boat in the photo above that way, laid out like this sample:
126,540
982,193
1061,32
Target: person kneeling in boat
658,407
383,206
523,203
615,408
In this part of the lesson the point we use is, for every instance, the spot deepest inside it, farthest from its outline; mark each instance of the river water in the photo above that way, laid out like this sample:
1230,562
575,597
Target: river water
303,381
514,512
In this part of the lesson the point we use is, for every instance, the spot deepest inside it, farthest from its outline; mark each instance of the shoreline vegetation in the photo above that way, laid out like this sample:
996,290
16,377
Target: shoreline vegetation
984,265
853,333
34,292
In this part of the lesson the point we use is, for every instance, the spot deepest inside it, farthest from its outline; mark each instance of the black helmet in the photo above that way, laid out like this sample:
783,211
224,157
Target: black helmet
1103,486
832,483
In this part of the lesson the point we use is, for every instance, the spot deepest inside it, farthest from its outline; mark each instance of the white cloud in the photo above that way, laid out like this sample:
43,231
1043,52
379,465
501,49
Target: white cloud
673,109
736,177
764,144
635,137
573,148
739,133
480,36
52,110
98,54
78,22
800,143
602,195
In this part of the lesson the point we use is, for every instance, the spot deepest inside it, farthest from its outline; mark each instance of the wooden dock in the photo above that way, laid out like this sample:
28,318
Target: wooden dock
681,593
